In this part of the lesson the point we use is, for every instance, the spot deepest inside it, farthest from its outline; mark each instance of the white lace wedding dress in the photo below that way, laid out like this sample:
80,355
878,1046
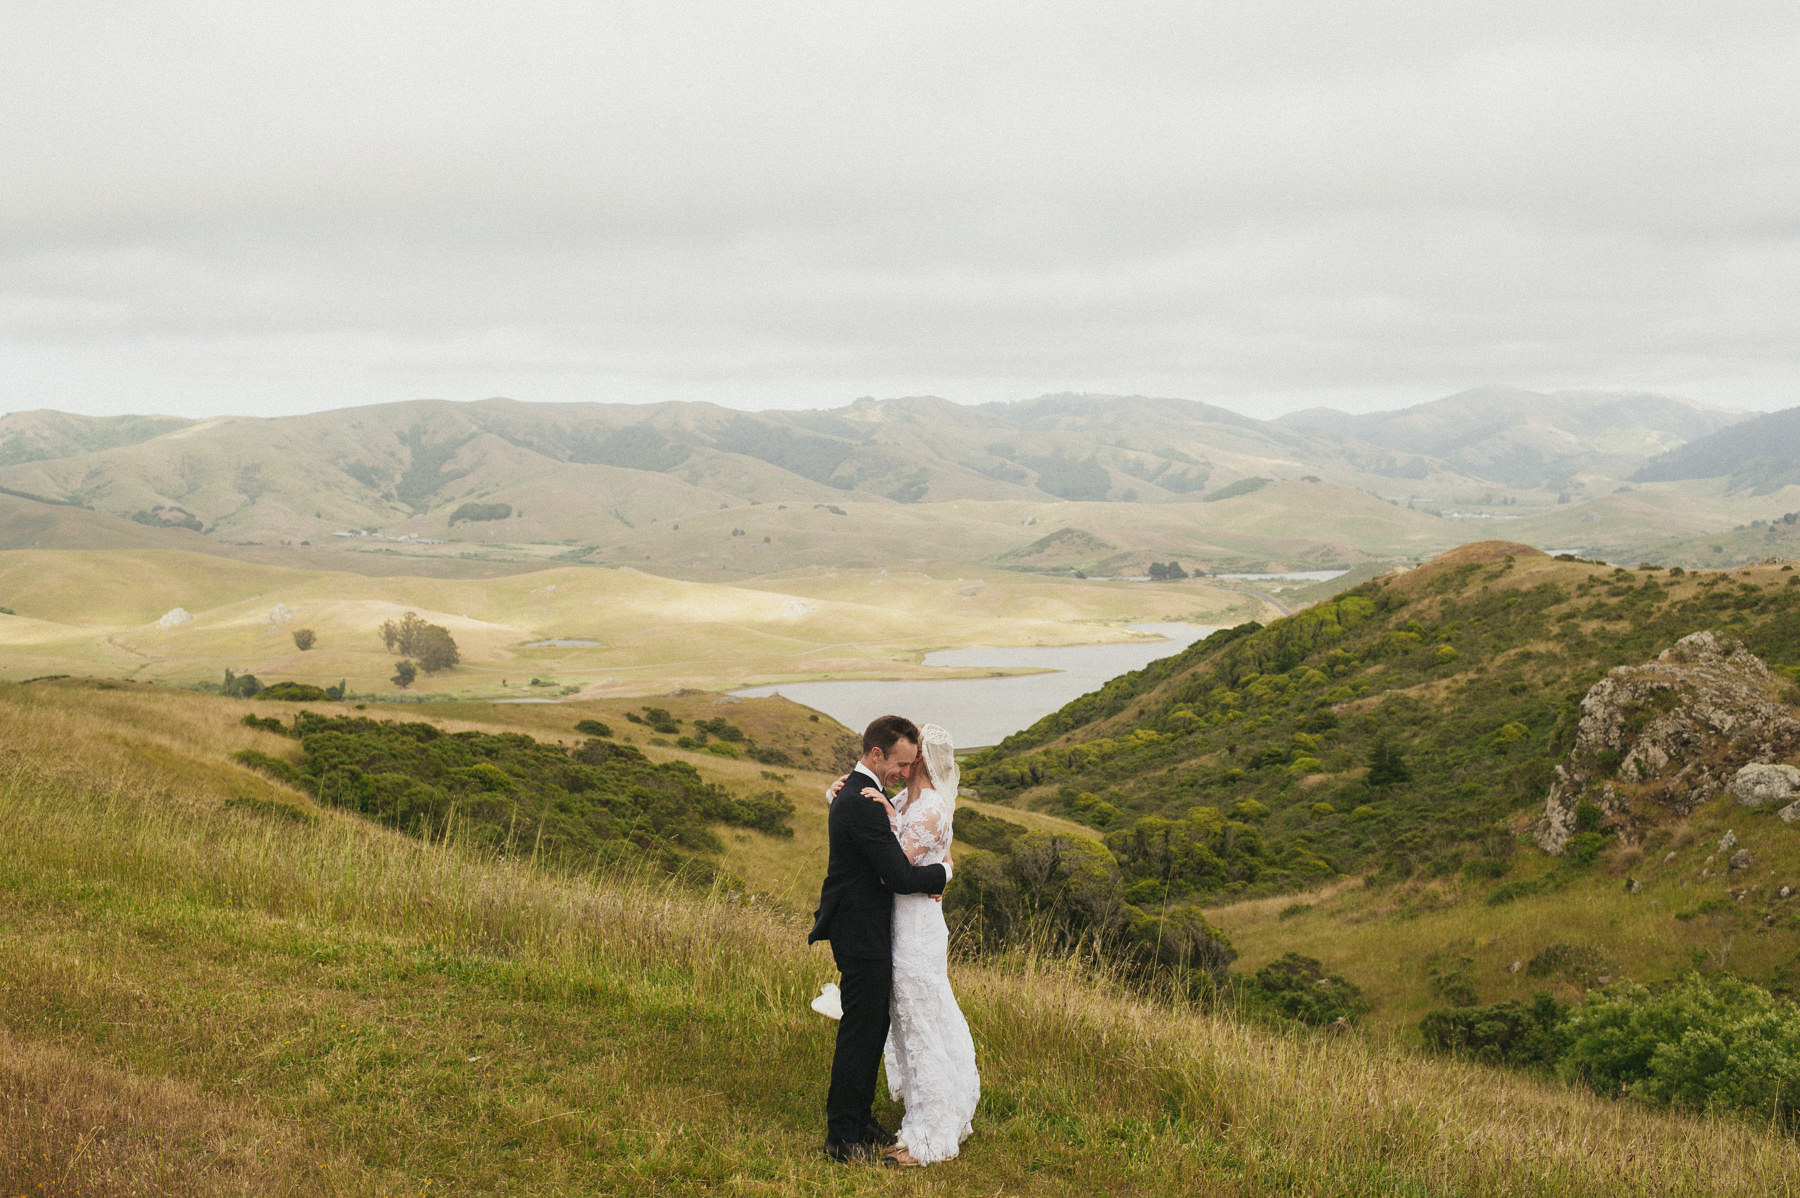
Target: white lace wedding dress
930,1054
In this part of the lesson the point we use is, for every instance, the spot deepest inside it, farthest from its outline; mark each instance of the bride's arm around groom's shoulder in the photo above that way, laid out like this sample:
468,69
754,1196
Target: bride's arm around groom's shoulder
868,828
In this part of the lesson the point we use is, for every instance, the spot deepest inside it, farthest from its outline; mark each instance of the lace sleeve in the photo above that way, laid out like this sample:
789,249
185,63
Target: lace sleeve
925,830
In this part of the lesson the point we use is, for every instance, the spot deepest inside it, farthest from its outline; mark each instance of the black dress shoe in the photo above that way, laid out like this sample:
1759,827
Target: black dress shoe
846,1153
881,1137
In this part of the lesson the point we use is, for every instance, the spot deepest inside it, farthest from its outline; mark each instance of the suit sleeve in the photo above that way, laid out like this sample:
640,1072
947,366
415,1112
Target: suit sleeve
875,841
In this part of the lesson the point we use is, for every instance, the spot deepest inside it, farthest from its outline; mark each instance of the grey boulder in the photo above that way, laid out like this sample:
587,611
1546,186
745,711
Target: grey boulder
1758,785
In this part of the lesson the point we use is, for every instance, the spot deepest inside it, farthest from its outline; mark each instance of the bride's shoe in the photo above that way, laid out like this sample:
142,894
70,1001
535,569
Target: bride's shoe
900,1158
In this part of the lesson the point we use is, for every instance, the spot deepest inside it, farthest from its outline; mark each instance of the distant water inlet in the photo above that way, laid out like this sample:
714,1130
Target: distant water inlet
985,711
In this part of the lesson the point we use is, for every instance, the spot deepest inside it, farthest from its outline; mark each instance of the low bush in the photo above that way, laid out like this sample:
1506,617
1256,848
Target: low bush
1521,1035
593,804
294,692
1297,989
1702,1044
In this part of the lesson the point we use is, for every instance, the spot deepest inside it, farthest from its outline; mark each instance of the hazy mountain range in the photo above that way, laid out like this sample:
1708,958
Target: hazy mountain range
1527,439
1761,454
590,471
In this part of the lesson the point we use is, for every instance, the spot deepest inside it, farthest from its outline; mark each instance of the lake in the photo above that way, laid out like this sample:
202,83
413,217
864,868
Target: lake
1289,576
985,711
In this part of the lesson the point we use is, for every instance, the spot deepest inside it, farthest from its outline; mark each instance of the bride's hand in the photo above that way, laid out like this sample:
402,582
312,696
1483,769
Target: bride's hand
831,792
869,792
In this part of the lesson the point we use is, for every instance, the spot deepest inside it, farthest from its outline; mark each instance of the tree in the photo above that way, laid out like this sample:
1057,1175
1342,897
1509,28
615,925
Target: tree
405,673
304,639
431,644
435,649
240,686
1387,766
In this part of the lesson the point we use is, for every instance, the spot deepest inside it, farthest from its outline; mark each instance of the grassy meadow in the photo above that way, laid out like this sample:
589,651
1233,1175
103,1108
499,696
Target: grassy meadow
1689,913
206,999
101,613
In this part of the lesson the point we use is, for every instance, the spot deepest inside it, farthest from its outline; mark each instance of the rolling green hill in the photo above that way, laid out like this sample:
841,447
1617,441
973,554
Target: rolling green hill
216,985
1404,734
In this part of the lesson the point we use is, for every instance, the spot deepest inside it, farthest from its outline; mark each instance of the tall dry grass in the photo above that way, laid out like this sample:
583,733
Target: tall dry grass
196,1000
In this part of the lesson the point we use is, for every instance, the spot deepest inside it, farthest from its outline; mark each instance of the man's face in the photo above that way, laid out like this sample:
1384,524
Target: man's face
892,766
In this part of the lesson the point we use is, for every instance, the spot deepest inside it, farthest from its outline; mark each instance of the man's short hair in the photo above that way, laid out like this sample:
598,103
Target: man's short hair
885,731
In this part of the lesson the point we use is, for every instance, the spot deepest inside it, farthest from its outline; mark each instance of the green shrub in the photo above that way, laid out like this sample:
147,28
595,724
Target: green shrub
293,692
512,793
1583,848
1242,486
1297,988
592,728
282,771
1521,1035
1718,1044
1450,975
1508,892
240,686
481,511
270,809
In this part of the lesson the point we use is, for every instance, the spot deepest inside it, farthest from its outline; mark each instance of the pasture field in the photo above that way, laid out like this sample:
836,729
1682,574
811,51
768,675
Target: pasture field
108,613
201,999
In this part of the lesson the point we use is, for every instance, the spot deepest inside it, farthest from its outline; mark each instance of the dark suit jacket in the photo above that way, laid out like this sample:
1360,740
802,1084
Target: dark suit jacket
866,870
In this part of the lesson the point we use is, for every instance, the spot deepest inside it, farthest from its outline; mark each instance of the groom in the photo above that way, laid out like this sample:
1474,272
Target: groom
856,913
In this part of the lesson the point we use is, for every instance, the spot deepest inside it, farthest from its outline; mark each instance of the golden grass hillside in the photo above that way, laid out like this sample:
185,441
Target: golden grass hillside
200,1001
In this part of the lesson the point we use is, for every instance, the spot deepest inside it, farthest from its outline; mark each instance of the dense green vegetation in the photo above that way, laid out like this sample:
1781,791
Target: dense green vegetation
481,512
594,804
1709,1044
1393,729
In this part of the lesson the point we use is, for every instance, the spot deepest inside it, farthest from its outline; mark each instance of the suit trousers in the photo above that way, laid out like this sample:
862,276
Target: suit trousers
867,985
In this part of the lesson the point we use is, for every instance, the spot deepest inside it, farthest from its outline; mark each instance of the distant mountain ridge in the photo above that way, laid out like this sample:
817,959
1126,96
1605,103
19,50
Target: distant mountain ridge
604,474
1528,438
1761,455
46,435
582,470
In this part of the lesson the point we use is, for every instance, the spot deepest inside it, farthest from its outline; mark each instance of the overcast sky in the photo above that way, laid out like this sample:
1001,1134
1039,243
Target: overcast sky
271,208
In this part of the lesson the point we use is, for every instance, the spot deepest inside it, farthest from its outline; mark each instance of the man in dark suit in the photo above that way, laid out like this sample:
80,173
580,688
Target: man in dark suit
856,913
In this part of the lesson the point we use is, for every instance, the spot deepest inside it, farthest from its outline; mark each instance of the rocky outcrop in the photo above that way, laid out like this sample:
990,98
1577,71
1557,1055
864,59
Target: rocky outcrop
1658,740
1758,785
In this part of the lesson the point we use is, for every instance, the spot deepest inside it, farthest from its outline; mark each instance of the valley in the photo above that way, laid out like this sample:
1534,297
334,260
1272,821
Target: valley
552,898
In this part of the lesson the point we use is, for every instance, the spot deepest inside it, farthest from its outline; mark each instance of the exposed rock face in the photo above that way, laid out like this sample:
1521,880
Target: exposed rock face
1660,739
1758,785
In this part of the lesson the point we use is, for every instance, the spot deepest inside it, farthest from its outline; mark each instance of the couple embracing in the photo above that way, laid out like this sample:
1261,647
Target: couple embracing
890,860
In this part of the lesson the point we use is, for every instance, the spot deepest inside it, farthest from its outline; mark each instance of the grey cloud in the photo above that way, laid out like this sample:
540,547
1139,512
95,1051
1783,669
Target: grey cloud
739,202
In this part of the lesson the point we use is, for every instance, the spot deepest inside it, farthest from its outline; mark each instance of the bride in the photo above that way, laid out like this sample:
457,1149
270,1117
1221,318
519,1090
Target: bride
930,1054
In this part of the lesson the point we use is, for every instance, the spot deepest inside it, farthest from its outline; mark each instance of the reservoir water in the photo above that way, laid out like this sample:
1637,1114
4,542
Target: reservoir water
985,711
